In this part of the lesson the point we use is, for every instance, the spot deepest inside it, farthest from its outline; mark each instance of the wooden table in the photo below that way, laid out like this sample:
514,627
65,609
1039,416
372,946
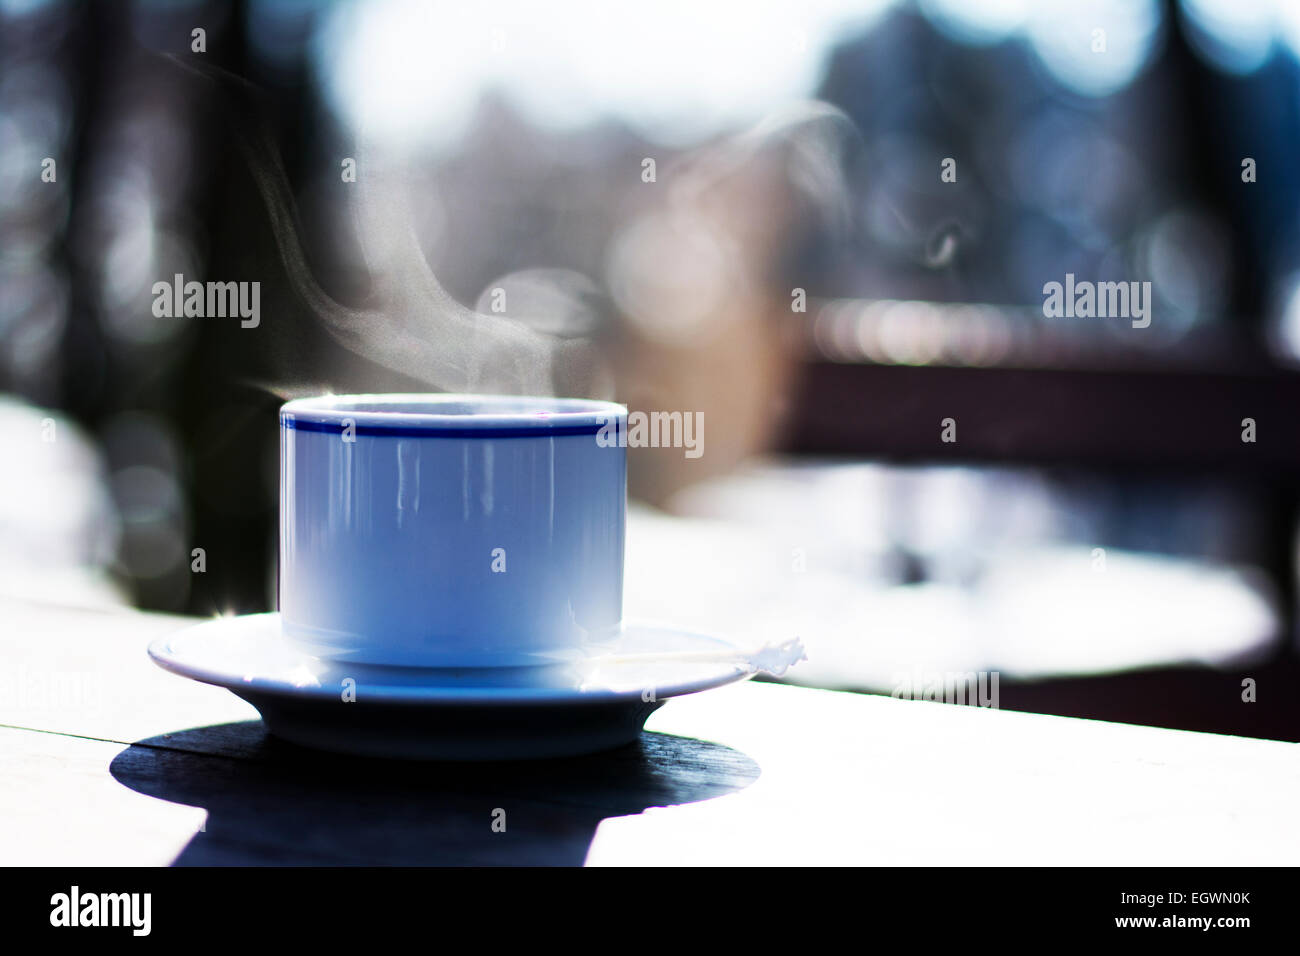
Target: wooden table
107,760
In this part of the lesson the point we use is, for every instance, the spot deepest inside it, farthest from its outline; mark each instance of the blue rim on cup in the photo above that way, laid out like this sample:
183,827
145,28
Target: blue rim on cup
488,416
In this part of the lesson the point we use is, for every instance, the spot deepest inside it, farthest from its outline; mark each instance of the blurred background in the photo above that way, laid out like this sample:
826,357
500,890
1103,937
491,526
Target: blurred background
739,209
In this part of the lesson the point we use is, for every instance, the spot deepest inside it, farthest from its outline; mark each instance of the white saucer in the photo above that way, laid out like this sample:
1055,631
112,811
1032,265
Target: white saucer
451,714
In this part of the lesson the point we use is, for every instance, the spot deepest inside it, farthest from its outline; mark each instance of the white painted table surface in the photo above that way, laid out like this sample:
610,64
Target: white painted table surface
125,764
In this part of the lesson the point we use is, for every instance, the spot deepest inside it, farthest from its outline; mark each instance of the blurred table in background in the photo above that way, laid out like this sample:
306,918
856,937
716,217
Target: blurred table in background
886,571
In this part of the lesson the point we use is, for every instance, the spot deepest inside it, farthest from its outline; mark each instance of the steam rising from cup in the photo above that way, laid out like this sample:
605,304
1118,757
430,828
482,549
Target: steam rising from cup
410,323
700,250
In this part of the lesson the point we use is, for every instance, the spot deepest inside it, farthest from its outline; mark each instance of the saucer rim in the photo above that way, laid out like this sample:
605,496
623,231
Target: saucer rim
166,657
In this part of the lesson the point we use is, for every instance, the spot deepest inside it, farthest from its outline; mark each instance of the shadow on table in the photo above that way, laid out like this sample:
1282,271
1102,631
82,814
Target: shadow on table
271,802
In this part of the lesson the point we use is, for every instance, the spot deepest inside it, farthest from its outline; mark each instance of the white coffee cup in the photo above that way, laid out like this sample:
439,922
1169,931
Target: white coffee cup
451,530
